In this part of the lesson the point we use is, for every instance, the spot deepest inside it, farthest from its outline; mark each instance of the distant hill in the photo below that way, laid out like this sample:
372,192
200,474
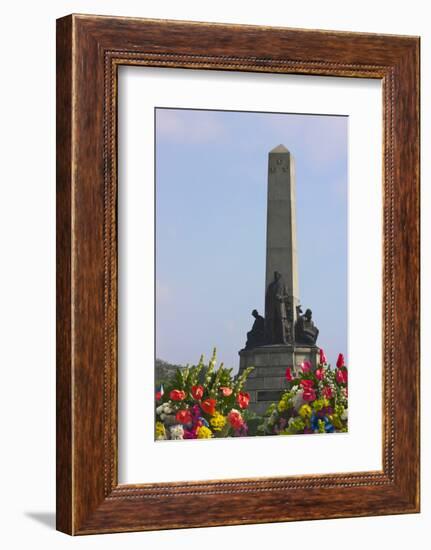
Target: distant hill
165,370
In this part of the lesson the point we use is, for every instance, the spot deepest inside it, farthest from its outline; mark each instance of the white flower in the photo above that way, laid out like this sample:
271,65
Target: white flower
273,417
169,419
345,414
177,431
298,400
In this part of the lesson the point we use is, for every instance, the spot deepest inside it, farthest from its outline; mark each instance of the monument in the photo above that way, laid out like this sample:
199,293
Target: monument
284,337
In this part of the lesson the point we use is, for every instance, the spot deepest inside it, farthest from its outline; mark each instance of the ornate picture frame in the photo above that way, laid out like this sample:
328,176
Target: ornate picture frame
89,51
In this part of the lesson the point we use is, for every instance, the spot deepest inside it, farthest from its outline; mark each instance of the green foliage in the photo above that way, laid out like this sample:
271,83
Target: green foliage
240,380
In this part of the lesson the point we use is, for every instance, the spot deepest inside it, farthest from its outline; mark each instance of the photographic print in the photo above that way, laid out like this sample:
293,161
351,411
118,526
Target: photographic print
251,246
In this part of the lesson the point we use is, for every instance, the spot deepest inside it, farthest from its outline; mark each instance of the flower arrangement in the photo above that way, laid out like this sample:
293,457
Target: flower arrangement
202,402
315,401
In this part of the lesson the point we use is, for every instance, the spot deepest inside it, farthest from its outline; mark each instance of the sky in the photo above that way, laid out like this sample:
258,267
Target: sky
211,186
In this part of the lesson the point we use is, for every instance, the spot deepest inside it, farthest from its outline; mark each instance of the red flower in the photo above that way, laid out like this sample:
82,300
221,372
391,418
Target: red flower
306,366
226,391
158,395
322,358
309,394
340,360
341,376
243,399
197,392
327,392
184,416
208,406
288,375
306,384
235,419
320,374
177,395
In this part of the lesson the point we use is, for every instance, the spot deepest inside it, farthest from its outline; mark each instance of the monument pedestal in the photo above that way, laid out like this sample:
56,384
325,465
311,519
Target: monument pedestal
267,381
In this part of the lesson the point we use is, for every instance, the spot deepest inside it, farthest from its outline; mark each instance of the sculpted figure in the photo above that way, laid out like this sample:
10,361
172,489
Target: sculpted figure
306,331
256,336
278,315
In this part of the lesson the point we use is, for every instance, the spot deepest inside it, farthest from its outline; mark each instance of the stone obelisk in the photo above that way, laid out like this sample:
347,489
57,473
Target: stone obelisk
271,359
281,250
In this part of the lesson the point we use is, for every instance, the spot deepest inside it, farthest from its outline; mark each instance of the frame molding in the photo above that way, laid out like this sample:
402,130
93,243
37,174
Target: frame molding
89,51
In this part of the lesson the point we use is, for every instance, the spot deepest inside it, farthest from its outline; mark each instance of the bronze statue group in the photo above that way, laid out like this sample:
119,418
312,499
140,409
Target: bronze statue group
279,326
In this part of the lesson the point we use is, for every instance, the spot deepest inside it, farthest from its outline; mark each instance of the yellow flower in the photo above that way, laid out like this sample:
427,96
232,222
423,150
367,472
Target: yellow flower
320,403
305,411
204,433
270,409
160,431
335,419
218,421
282,405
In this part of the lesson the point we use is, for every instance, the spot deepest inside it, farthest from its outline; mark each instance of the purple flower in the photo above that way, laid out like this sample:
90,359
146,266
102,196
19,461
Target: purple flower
242,431
189,434
196,411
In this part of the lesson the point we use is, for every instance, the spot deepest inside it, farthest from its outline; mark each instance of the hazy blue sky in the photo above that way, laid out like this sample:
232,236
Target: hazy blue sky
211,184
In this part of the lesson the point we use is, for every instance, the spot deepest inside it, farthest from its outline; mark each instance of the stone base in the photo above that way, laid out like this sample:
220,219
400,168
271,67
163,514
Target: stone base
267,381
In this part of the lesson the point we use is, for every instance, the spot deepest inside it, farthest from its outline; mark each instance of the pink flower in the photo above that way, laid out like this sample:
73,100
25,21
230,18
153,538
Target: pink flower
320,374
322,358
341,376
327,392
306,366
340,360
309,394
225,391
235,419
288,375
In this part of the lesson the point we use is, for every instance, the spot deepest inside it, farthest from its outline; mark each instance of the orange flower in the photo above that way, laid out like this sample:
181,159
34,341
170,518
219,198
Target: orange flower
243,399
177,395
226,391
208,406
